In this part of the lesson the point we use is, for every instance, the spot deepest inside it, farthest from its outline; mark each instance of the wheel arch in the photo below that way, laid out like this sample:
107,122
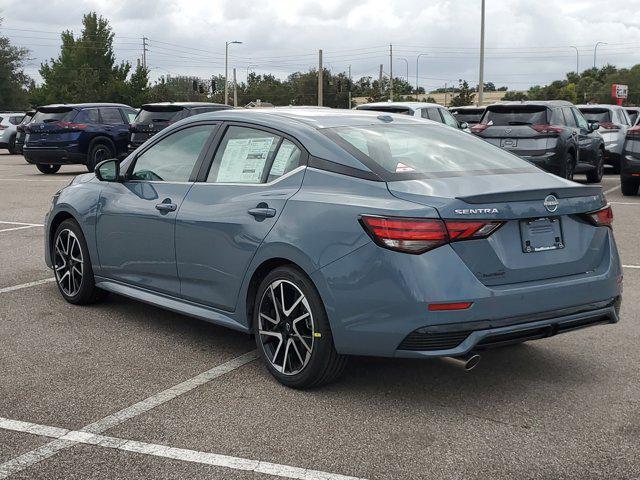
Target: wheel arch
104,140
55,222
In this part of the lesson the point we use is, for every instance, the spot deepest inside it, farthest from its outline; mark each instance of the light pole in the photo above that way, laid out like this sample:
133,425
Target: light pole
407,63
226,69
417,67
481,79
577,59
595,50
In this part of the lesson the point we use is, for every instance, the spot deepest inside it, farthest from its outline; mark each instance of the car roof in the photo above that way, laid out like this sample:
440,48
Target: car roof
83,105
599,105
400,104
546,103
469,107
185,104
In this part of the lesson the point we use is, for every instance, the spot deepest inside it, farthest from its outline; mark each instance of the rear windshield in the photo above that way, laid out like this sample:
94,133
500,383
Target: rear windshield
517,115
426,151
596,114
54,115
158,115
402,110
469,117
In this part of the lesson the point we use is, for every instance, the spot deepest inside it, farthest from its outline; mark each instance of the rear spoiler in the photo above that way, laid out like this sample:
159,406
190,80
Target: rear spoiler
539,194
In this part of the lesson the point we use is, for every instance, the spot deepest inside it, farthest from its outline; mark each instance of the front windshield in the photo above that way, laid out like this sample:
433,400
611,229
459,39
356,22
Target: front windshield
427,149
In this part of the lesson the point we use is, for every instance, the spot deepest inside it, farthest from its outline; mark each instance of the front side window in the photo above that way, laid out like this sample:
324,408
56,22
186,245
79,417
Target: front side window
173,158
111,116
424,151
243,156
448,118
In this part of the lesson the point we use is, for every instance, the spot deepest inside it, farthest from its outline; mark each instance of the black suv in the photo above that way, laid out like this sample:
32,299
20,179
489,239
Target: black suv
153,117
20,131
84,133
630,162
552,134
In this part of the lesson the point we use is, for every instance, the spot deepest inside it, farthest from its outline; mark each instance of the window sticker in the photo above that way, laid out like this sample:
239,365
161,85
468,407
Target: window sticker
244,160
281,162
401,167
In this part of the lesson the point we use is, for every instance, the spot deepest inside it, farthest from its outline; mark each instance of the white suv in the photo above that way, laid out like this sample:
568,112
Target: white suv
8,123
614,123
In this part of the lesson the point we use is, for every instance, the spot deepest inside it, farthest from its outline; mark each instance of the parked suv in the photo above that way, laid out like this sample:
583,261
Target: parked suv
550,134
20,131
84,133
430,111
154,117
614,123
630,162
469,114
8,124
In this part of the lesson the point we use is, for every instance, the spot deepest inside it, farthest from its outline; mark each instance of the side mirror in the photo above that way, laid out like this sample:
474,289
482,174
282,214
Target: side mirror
108,170
463,125
593,126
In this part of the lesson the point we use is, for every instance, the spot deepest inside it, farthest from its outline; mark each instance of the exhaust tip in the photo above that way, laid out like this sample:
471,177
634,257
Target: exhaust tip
472,362
466,362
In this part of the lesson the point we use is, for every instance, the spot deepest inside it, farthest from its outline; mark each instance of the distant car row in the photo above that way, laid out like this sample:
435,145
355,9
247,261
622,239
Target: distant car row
557,136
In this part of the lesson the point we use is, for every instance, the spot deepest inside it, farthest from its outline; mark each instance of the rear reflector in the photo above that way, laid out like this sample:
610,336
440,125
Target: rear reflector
601,218
419,235
439,307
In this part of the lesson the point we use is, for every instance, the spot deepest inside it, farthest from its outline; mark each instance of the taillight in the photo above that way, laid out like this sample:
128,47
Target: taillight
601,218
479,127
72,126
2,127
609,126
419,235
633,131
548,129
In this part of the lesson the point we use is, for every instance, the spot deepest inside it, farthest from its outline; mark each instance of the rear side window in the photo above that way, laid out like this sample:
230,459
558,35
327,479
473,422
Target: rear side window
426,151
244,156
130,114
432,114
54,115
557,117
88,115
569,117
111,116
597,114
15,120
287,158
515,115
158,115
173,158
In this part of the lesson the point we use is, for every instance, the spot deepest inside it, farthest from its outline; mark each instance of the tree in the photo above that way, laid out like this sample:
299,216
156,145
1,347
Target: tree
465,95
138,90
14,83
85,69
514,96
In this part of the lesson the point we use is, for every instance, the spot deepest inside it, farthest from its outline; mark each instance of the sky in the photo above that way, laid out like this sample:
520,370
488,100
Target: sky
527,42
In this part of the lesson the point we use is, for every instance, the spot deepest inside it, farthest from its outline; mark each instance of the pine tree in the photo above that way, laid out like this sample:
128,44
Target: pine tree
13,81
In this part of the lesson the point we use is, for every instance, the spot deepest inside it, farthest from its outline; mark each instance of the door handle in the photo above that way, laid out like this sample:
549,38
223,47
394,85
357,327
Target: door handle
166,207
262,212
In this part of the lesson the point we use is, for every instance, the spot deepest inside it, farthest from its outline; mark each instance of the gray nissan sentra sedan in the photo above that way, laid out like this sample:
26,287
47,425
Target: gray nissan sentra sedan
330,233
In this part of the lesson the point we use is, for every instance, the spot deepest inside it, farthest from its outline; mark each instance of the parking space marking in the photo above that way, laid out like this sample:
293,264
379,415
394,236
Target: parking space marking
613,189
22,223
30,180
624,203
26,285
18,228
206,458
631,266
46,451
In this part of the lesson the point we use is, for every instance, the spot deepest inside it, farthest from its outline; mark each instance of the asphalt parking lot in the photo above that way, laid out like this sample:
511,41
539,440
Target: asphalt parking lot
124,390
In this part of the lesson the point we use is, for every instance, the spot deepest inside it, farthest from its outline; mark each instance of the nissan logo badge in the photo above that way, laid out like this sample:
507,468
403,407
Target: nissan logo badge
551,203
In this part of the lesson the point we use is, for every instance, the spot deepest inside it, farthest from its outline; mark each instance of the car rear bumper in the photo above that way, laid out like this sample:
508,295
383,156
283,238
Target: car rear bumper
52,155
549,161
374,309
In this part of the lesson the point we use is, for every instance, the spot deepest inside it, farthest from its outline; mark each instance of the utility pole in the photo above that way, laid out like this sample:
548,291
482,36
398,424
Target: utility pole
235,88
320,79
144,52
380,81
481,80
349,87
391,71
226,69
445,94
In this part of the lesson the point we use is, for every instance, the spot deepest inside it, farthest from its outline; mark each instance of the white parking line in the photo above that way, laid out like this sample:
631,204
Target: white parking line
611,189
236,463
631,266
18,228
48,450
26,285
624,203
32,180
22,223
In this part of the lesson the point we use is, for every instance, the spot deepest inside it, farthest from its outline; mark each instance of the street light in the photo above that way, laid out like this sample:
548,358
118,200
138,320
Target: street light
226,69
407,63
417,66
595,49
577,59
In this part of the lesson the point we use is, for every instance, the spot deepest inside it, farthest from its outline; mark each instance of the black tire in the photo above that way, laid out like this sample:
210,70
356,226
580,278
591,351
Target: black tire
323,363
568,166
47,169
629,187
81,278
595,175
12,145
98,152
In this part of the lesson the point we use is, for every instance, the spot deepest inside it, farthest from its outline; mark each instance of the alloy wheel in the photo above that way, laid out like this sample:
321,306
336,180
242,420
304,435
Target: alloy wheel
101,153
68,261
286,328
